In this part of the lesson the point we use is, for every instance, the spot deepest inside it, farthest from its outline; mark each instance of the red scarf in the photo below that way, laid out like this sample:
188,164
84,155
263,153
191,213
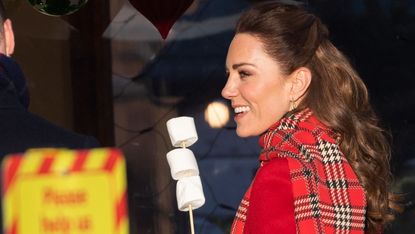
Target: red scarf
304,184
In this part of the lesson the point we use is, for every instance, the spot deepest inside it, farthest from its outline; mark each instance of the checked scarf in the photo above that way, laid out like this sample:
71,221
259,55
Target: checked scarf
326,193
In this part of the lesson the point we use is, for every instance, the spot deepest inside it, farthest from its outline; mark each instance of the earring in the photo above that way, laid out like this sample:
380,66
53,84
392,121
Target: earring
293,105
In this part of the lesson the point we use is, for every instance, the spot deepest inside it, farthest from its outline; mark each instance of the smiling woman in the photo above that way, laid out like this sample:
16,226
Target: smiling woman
324,161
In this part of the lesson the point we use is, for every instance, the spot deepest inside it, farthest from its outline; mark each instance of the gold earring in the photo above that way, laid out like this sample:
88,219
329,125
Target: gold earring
293,105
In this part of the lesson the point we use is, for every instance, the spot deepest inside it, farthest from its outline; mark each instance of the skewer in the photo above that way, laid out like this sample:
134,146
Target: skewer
192,226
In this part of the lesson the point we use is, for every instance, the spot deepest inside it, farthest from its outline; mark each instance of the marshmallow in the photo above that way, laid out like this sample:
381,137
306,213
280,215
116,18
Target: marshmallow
189,191
182,131
182,163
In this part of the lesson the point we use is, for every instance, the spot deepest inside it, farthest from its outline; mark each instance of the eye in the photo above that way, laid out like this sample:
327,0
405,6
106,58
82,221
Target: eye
244,74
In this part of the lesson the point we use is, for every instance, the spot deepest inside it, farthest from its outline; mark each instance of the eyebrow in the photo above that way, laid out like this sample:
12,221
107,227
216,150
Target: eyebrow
235,66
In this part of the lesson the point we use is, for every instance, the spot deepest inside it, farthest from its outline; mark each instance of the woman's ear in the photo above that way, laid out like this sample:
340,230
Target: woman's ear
300,81
8,37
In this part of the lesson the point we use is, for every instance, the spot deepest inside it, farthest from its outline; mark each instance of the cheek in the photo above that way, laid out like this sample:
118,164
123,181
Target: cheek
252,93
274,100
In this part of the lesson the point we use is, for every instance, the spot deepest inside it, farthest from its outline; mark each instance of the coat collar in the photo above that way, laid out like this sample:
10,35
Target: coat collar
288,122
278,140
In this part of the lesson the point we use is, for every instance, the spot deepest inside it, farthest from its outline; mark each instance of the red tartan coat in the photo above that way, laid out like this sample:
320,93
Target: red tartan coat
304,184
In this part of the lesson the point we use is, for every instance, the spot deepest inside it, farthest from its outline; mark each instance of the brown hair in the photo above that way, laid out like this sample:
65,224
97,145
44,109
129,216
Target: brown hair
337,96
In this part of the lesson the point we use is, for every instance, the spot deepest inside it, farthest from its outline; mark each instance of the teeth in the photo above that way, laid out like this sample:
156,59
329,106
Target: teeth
241,109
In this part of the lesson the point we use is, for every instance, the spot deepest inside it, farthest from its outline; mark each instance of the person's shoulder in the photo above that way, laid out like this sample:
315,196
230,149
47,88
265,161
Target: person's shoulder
21,130
52,131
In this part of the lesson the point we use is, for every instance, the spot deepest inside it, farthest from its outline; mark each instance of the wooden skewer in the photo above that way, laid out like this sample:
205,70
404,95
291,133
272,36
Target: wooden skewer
192,228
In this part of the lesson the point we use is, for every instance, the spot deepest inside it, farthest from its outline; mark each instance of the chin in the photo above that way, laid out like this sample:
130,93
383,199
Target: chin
244,133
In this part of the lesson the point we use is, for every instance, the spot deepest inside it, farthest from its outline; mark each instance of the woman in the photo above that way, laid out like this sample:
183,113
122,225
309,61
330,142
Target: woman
324,159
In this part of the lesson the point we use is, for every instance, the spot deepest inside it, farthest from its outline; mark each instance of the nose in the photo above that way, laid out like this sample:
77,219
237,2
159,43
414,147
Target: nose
230,89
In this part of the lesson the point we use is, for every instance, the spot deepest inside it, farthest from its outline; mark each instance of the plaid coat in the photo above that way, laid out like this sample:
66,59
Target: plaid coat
304,184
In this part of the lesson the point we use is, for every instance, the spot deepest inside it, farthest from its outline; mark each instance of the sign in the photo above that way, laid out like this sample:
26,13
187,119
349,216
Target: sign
60,191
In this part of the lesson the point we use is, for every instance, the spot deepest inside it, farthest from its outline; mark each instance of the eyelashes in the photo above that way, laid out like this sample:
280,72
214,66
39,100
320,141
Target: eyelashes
242,74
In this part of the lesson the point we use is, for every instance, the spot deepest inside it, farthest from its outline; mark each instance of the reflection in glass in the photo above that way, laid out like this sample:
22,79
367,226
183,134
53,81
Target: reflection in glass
57,7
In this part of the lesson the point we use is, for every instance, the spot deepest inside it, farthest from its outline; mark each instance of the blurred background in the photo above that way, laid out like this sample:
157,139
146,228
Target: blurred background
106,71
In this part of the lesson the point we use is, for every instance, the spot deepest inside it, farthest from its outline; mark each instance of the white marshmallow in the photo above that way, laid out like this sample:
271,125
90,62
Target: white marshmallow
189,191
182,163
182,131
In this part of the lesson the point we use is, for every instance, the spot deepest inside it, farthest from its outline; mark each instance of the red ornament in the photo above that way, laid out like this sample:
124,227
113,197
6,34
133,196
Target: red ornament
162,13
